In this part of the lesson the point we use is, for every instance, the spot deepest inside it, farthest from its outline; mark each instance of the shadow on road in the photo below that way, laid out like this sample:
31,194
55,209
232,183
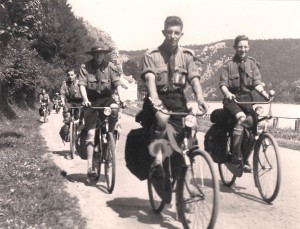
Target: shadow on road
82,178
237,190
62,153
140,209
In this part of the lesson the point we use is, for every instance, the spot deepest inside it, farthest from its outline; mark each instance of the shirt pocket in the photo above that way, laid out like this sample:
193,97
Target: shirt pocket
92,83
234,80
105,85
249,78
180,75
161,76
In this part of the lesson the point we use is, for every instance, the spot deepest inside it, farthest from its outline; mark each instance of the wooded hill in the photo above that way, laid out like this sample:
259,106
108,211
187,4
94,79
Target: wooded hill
39,41
278,58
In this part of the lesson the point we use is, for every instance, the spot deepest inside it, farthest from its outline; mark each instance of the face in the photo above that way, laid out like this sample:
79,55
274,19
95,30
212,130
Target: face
242,48
98,57
71,75
173,35
43,91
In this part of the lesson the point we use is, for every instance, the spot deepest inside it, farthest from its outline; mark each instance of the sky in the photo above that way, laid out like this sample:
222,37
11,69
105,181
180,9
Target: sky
137,24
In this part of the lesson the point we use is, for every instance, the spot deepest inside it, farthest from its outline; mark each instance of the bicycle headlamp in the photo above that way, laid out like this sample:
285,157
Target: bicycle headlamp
259,110
107,111
190,121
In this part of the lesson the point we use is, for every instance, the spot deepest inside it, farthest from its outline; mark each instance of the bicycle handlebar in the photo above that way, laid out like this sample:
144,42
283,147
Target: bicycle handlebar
95,108
179,113
271,94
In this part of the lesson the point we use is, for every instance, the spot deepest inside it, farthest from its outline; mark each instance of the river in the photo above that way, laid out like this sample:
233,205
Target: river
286,113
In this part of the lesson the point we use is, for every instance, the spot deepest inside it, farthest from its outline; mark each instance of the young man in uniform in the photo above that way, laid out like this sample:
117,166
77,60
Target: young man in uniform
166,70
98,78
70,94
240,75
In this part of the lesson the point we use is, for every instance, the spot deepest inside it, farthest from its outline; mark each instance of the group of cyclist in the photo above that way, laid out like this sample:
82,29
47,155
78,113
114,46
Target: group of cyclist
166,71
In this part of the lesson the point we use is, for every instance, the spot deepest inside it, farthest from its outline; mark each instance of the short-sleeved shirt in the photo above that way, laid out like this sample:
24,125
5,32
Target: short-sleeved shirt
70,91
156,62
44,98
238,82
99,82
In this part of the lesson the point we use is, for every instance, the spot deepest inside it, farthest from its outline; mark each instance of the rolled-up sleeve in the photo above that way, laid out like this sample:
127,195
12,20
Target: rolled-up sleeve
63,91
148,65
224,77
82,76
256,76
192,69
115,79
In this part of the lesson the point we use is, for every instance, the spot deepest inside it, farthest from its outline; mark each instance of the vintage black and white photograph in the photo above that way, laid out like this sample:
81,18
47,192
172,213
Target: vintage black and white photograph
149,114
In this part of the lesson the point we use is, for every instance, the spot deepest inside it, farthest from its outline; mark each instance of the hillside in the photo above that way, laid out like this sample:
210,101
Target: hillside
278,58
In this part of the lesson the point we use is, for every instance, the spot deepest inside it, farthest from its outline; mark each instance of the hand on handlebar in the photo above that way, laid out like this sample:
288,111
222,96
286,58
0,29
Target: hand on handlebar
86,103
230,96
123,104
203,107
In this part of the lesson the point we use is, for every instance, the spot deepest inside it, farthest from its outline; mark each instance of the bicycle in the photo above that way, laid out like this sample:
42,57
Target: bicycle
105,146
45,111
74,124
197,189
266,159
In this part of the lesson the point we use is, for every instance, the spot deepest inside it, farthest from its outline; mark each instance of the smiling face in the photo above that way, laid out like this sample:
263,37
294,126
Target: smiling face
71,75
242,48
172,35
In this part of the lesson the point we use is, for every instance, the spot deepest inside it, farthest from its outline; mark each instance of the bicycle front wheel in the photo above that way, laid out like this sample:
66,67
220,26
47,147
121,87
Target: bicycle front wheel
267,169
72,139
227,177
198,192
110,163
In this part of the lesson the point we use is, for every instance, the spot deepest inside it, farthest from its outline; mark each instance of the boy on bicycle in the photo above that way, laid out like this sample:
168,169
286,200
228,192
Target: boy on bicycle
98,78
240,75
166,70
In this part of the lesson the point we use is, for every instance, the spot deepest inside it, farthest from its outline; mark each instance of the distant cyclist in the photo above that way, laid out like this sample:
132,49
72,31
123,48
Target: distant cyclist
56,98
44,98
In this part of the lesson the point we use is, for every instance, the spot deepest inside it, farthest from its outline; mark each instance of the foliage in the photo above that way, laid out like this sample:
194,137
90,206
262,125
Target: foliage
32,189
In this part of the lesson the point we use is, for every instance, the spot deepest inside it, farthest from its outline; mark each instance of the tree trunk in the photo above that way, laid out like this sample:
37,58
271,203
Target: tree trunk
5,110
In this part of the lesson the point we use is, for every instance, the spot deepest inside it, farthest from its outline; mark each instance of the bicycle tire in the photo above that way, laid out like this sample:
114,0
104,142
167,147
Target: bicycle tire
45,115
193,191
227,178
72,133
110,163
157,202
264,169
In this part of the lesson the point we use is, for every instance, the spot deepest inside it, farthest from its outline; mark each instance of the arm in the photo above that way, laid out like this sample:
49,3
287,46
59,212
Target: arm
199,93
260,89
85,99
152,91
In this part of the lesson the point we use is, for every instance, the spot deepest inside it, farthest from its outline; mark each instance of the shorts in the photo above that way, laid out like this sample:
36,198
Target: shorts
235,108
91,115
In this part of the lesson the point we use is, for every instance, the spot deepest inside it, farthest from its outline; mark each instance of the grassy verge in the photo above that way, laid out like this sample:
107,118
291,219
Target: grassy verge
31,188
287,138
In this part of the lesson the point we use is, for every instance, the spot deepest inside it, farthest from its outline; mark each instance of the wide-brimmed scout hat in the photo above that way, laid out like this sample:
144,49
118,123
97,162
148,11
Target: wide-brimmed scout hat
99,47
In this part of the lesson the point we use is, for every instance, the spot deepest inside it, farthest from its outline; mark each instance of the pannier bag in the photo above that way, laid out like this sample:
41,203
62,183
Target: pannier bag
41,111
215,142
65,133
137,157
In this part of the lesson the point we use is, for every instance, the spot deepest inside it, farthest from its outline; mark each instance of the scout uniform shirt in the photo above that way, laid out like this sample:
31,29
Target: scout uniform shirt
240,76
99,82
70,91
171,70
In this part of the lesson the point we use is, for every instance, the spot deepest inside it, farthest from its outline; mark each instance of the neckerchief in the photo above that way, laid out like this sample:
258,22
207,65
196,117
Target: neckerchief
242,71
171,65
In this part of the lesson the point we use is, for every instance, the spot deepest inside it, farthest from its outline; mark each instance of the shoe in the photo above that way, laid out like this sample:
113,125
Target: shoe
91,173
248,168
68,157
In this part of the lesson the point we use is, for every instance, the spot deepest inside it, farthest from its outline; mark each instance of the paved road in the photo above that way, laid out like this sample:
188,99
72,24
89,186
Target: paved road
128,206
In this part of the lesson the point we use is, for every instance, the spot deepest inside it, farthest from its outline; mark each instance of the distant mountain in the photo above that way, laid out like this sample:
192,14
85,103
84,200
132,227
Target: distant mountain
278,58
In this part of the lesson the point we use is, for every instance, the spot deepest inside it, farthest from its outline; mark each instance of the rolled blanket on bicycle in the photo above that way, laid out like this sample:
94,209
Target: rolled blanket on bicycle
65,133
137,157
215,142
222,117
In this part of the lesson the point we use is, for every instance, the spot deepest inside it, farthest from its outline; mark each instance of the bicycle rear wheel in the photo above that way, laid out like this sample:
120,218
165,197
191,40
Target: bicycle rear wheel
110,163
198,192
267,169
227,177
